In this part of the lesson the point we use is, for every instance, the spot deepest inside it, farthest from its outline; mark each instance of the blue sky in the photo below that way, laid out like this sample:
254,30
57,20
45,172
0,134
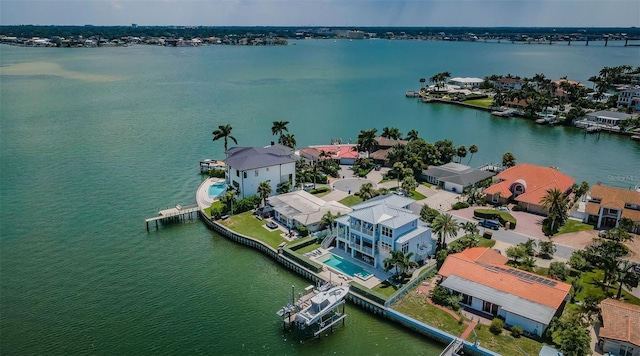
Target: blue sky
350,13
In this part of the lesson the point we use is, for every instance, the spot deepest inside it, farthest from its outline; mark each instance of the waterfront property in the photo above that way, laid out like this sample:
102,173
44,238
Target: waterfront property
379,154
455,177
526,184
629,98
468,83
342,153
247,167
607,205
493,289
299,208
380,225
604,119
619,332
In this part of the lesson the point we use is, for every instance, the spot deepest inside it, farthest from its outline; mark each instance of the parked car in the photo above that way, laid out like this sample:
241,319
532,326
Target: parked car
490,224
378,167
308,186
503,208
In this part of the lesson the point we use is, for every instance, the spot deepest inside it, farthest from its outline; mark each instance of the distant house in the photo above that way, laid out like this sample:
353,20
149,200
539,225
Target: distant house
607,118
247,167
468,83
455,177
526,184
379,155
301,208
629,98
342,153
559,83
619,332
508,83
607,205
479,275
380,225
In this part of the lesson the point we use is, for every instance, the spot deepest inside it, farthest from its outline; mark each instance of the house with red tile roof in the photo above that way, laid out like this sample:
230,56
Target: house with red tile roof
607,205
619,331
343,153
490,287
526,184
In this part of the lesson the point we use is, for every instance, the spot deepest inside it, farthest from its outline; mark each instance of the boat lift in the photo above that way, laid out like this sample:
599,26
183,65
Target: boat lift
327,320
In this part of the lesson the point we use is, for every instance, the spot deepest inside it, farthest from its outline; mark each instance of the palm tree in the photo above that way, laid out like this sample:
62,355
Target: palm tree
367,140
556,204
279,127
405,261
224,131
444,225
391,133
264,190
412,135
625,275
393,261
409,184
508,160
472,149
327,221
461,152
398,168
366,191
470,228
288,140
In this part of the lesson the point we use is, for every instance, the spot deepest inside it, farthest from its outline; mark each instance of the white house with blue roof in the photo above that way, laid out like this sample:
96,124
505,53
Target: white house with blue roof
380,225
247,167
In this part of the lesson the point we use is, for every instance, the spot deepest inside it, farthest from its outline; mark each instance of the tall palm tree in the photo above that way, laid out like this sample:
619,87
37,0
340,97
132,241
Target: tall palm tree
391,133
470,228
444,226
367,140
556,204
405,261
625,276
288,140
279,128
461,152
412,135
328,220
224,131
472,149
264,190
393,261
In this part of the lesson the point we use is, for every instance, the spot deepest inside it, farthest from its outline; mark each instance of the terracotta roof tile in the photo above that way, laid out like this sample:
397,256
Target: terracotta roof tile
614,198
621,321
538,180
480,267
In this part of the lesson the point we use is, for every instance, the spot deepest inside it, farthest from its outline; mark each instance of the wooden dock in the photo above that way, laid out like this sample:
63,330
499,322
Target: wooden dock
178,214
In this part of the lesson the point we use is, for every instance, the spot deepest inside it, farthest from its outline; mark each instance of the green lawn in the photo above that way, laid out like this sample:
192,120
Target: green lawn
321,194
385,288
573,226
351,200
415,195
216,204
484,242
486,102
592,285
505,344
428,185
303,250
247,224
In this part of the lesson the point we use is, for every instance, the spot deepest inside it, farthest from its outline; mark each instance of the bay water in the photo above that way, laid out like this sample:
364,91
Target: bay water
95,140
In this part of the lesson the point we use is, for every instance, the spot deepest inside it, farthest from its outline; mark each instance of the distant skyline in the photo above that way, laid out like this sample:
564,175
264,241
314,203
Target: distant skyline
344,13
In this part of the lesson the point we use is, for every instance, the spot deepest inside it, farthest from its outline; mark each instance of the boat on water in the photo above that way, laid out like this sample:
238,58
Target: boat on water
321,304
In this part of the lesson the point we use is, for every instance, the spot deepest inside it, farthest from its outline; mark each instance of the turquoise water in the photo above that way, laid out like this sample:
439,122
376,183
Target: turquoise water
93,141
217,189
345,266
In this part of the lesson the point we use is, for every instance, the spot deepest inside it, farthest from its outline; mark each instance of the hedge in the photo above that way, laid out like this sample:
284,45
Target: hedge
315,267
502,216
368,293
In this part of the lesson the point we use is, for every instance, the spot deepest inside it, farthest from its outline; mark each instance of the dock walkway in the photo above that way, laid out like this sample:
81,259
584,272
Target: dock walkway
177,213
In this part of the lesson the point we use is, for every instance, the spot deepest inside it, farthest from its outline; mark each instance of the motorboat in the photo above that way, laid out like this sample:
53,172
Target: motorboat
321,304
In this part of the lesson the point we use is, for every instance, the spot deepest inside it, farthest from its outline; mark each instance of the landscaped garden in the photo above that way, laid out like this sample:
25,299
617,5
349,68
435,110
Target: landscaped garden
247,224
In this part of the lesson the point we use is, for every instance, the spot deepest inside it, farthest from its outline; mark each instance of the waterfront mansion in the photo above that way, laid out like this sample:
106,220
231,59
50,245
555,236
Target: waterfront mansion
380,225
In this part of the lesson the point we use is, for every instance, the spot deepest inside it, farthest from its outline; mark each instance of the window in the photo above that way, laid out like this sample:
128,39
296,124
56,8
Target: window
386,231
405,248
267,169
237,173
256,171
495,198
490,308
466,299
385,247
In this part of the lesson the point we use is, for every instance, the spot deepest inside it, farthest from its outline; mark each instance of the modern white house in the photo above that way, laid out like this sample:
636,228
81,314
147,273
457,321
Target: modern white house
301,208
247,167
486,284
468,83
607,118
380,225
629,97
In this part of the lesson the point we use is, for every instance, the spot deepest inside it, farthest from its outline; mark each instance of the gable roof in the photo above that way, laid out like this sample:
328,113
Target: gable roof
244,158
615,198
621,321
483,268
457,173
536,179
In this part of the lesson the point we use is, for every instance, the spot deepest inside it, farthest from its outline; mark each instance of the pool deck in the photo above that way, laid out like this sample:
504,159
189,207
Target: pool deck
202,194
340,277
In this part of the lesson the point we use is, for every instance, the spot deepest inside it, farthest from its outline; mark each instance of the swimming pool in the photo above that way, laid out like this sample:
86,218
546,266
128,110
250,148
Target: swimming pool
345,266
217,189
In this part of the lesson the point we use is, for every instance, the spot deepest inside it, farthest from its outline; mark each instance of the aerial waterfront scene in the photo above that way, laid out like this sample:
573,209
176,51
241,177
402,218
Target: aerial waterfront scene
96,140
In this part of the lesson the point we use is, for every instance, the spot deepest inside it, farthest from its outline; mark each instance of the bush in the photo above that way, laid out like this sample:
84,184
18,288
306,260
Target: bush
319,190
216,173
496,326
460,205
516,331
246,204
516,208
303,230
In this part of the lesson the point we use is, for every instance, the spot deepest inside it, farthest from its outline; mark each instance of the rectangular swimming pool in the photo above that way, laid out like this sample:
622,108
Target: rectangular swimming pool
345,266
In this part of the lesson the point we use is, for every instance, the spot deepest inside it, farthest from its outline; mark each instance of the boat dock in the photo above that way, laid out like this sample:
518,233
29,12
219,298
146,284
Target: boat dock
327,320
453,348
178,214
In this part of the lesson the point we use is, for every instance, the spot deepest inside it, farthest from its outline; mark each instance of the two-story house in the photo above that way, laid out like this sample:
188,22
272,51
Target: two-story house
247,167
380,225
607,205
629,97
